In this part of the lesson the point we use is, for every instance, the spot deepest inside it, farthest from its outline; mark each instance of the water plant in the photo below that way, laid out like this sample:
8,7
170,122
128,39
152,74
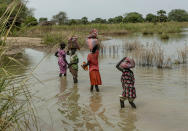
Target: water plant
130,46
182,55
154,55
164,36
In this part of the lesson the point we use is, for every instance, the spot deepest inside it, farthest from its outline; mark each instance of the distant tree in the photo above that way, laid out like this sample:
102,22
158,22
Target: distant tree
30,21
118,19
151,18
110,20
99,20
60,18
162,16
178,15
84,20
133,17
22,15
72,22
43,19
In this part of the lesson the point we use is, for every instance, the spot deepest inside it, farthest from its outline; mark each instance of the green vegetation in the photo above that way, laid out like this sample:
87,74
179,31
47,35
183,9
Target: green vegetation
178,15
154,55
60,18
61,28
43,20
30,21
151,18
63,32
16,108
133,17
162,16
164,36
53,39
25,14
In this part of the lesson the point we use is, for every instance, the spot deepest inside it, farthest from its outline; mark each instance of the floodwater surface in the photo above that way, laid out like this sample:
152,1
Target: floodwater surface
162,96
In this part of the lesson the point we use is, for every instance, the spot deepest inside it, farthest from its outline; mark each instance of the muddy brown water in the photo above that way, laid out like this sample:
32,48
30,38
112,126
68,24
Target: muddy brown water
162,96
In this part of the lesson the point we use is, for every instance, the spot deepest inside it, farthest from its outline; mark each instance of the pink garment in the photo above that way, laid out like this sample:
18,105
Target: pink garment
93,61
61,62
92,42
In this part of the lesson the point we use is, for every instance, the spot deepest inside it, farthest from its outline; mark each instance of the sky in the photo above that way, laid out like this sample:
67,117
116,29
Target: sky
92,9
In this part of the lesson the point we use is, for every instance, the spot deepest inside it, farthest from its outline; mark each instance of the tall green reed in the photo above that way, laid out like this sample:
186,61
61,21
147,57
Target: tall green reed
16,109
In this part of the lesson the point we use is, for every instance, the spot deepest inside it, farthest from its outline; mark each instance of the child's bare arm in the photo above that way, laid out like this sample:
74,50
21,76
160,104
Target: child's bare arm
56,54
86,64
118,64
66,61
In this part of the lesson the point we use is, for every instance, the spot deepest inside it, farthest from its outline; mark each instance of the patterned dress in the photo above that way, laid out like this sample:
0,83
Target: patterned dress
61,62
74,67
128,81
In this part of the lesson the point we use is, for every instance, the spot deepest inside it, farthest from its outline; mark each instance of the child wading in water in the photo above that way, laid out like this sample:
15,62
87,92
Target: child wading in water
73,65
62,62
92,61
127,80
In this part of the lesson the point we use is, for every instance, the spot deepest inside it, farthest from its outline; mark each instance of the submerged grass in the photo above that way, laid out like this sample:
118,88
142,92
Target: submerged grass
182,55
164,36
154,55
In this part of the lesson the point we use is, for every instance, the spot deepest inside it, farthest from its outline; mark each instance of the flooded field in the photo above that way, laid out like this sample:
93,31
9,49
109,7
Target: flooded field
162,94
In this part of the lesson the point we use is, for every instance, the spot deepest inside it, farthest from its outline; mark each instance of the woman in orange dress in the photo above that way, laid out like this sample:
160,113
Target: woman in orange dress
92,61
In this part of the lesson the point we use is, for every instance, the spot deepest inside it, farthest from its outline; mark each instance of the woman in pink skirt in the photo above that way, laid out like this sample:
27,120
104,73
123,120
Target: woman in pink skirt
62,62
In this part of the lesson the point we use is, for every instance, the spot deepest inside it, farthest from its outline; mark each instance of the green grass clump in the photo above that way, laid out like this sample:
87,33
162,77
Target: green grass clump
52,39
164,36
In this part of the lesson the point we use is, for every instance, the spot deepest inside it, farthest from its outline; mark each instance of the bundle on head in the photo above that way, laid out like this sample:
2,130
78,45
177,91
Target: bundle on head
93,34
127,63
92,39
72,43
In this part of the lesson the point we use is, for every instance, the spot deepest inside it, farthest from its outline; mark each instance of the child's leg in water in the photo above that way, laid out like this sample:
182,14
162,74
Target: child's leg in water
122,99
75,79
132,103
97,88
122,103
74,74
60,75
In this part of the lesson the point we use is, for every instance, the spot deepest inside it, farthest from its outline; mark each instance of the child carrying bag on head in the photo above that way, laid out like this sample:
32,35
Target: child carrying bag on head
127,80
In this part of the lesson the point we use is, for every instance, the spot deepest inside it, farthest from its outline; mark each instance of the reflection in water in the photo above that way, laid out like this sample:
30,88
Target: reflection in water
75,117
95,105
95,102
63,87
69,107
128,119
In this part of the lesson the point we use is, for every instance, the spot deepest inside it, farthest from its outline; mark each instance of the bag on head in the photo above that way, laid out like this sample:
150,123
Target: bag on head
127,63
72,43
92,43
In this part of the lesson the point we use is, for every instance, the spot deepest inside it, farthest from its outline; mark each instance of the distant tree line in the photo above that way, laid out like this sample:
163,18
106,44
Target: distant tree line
26,17
178,15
